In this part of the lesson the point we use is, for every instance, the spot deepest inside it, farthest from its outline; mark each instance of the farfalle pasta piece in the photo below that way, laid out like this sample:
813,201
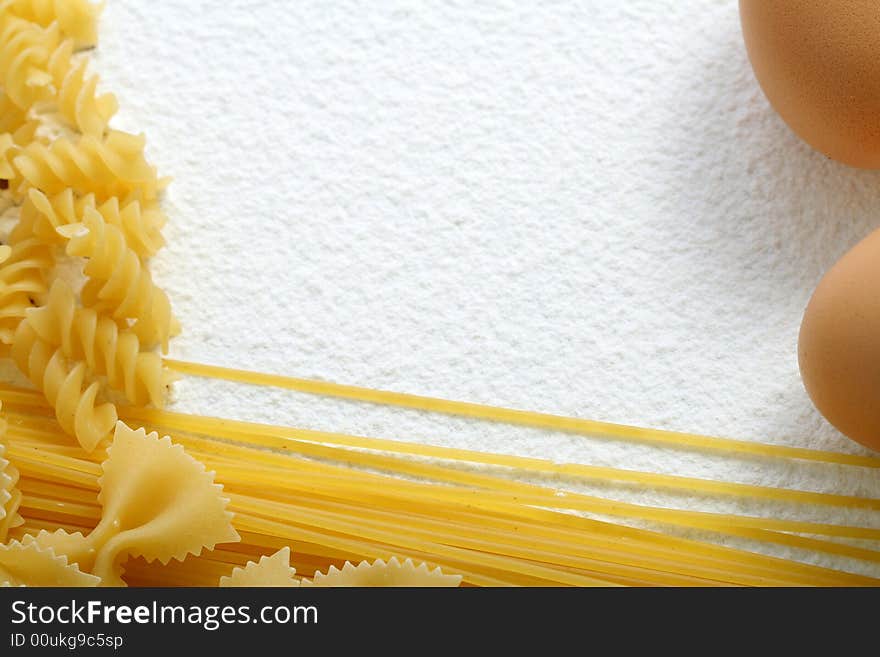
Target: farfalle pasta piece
22,283
10,496
78,19
66,387
26,563
84,335
274,571
118,281
42,215
380,573
112,166
158,503
25,50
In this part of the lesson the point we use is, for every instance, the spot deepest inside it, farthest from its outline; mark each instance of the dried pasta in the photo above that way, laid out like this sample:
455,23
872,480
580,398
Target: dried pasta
42,215
108,351
10,496
25,51
118,281
75,92
111,166
158,503
26,563
65,384
78,19
22,283
271,570
384,574
12,117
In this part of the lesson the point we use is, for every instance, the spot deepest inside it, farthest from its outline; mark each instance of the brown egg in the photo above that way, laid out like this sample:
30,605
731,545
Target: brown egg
818,62
839,346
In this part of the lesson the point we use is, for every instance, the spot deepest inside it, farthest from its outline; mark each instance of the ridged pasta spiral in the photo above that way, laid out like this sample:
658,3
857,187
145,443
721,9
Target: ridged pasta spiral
83,335
65,386
10,147
41,216
22,283
7,152
80,104
12,117
77,92
118,281
76,18
24,58
113,166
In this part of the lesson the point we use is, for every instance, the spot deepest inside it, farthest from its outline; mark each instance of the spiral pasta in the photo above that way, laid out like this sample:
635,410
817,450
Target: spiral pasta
7,152
112,166
78,411
78,19
12,117
22,283
84,335
118,280
80,104
77,92
25,50
42,215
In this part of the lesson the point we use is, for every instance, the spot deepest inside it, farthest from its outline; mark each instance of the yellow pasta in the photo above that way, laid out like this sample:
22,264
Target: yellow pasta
42,215
380,573
25,50
29,564
773,573
10,495
118,281
74,398
271,570
75,92
22,283
84,335
12,117
575,425
108,167
158,503
78,19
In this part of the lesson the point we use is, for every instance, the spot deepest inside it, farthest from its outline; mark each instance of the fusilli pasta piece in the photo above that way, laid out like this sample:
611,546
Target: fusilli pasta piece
22,283
41,215
62,381
12,117
119,282
158,503
380,573
272,570
107,350
77,93
27,563
113,166
77,18
25,50
7,152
